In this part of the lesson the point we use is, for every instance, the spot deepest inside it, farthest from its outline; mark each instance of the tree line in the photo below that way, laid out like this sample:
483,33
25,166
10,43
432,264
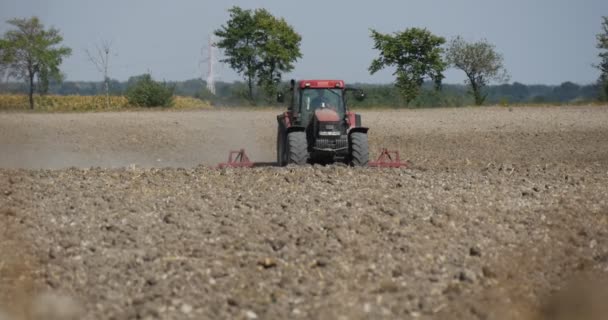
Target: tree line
378,95
261,48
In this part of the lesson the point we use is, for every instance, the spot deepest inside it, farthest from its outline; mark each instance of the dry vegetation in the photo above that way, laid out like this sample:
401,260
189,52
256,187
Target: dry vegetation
503,215
54,103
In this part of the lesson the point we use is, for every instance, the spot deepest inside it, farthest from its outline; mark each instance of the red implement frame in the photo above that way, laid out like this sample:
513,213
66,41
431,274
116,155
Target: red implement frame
236,159
388,159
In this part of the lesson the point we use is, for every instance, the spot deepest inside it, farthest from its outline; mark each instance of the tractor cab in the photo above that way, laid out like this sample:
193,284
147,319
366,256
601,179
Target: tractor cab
324,97
317,127
308,96
320,99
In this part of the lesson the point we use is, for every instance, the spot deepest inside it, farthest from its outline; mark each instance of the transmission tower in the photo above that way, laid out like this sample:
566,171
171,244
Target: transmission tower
210,55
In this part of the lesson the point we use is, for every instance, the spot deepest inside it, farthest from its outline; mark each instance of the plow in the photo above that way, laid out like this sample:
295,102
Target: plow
239,159
319,128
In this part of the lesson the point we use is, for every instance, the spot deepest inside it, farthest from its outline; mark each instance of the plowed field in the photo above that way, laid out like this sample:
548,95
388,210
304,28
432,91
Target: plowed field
503,214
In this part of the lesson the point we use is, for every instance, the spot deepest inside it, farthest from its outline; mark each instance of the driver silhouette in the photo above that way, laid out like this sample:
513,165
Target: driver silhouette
320,101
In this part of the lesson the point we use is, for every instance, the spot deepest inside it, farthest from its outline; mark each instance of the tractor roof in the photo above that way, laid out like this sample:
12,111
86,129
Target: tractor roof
321,84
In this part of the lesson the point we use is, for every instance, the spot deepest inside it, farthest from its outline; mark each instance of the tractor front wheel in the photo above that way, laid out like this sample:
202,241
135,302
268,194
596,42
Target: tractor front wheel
359,153
297,148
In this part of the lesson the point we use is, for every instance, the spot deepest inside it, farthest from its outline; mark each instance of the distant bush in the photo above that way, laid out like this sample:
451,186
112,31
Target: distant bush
189,103
145,92
604,91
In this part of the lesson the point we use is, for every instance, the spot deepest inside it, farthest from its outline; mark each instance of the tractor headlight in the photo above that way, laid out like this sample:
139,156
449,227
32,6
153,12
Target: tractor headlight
329,133
331,129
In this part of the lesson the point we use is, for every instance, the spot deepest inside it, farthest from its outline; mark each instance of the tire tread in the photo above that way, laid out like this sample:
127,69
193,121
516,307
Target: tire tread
297,148
359,149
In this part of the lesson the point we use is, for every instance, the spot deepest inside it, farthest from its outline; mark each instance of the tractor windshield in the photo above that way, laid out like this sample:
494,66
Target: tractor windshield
313,99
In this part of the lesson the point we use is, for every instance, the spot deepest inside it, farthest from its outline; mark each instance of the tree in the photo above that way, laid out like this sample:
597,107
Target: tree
566,91
101,60
32,53
480,62
3,67
259,46
416,55
602,44
143,91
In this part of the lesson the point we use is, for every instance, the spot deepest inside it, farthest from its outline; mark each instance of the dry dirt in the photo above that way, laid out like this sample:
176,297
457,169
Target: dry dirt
502,215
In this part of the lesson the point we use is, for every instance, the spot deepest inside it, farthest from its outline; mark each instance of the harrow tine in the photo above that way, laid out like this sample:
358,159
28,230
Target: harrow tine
388,159
236,159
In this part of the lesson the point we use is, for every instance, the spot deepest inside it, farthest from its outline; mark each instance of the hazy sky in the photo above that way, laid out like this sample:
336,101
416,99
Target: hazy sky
543,41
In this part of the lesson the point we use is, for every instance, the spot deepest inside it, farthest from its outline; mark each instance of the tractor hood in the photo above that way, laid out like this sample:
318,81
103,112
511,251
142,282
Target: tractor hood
327,115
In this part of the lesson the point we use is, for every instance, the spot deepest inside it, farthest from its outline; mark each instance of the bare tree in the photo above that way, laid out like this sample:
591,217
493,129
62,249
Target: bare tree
602,44
101,59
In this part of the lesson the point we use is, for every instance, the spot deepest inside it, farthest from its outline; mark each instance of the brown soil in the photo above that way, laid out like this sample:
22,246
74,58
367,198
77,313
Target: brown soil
503,215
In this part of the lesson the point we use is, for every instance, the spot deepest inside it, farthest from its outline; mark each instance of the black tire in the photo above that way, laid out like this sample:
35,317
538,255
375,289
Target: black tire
297,148
281,159
359,152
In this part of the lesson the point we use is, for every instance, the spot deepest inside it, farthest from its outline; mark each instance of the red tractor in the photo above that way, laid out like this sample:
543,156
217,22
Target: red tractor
318,127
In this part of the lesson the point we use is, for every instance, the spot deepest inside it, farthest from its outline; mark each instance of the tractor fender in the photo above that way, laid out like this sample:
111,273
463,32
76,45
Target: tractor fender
357,129
353,119
286,126
295,129
284,120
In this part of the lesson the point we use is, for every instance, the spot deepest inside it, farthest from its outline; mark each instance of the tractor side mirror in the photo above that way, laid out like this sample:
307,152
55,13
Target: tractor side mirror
360,95
280,97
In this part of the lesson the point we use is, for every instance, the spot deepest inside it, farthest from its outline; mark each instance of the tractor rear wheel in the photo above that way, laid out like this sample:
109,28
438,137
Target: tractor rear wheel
297,148
359,152
281,161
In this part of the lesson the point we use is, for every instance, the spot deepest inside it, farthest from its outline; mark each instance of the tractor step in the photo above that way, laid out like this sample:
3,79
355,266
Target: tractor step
236,159
388,159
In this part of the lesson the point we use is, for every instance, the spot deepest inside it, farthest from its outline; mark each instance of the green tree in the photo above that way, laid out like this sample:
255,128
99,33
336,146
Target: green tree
30,52
260,47
416,55
143,91
566,92
602,44
480,62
